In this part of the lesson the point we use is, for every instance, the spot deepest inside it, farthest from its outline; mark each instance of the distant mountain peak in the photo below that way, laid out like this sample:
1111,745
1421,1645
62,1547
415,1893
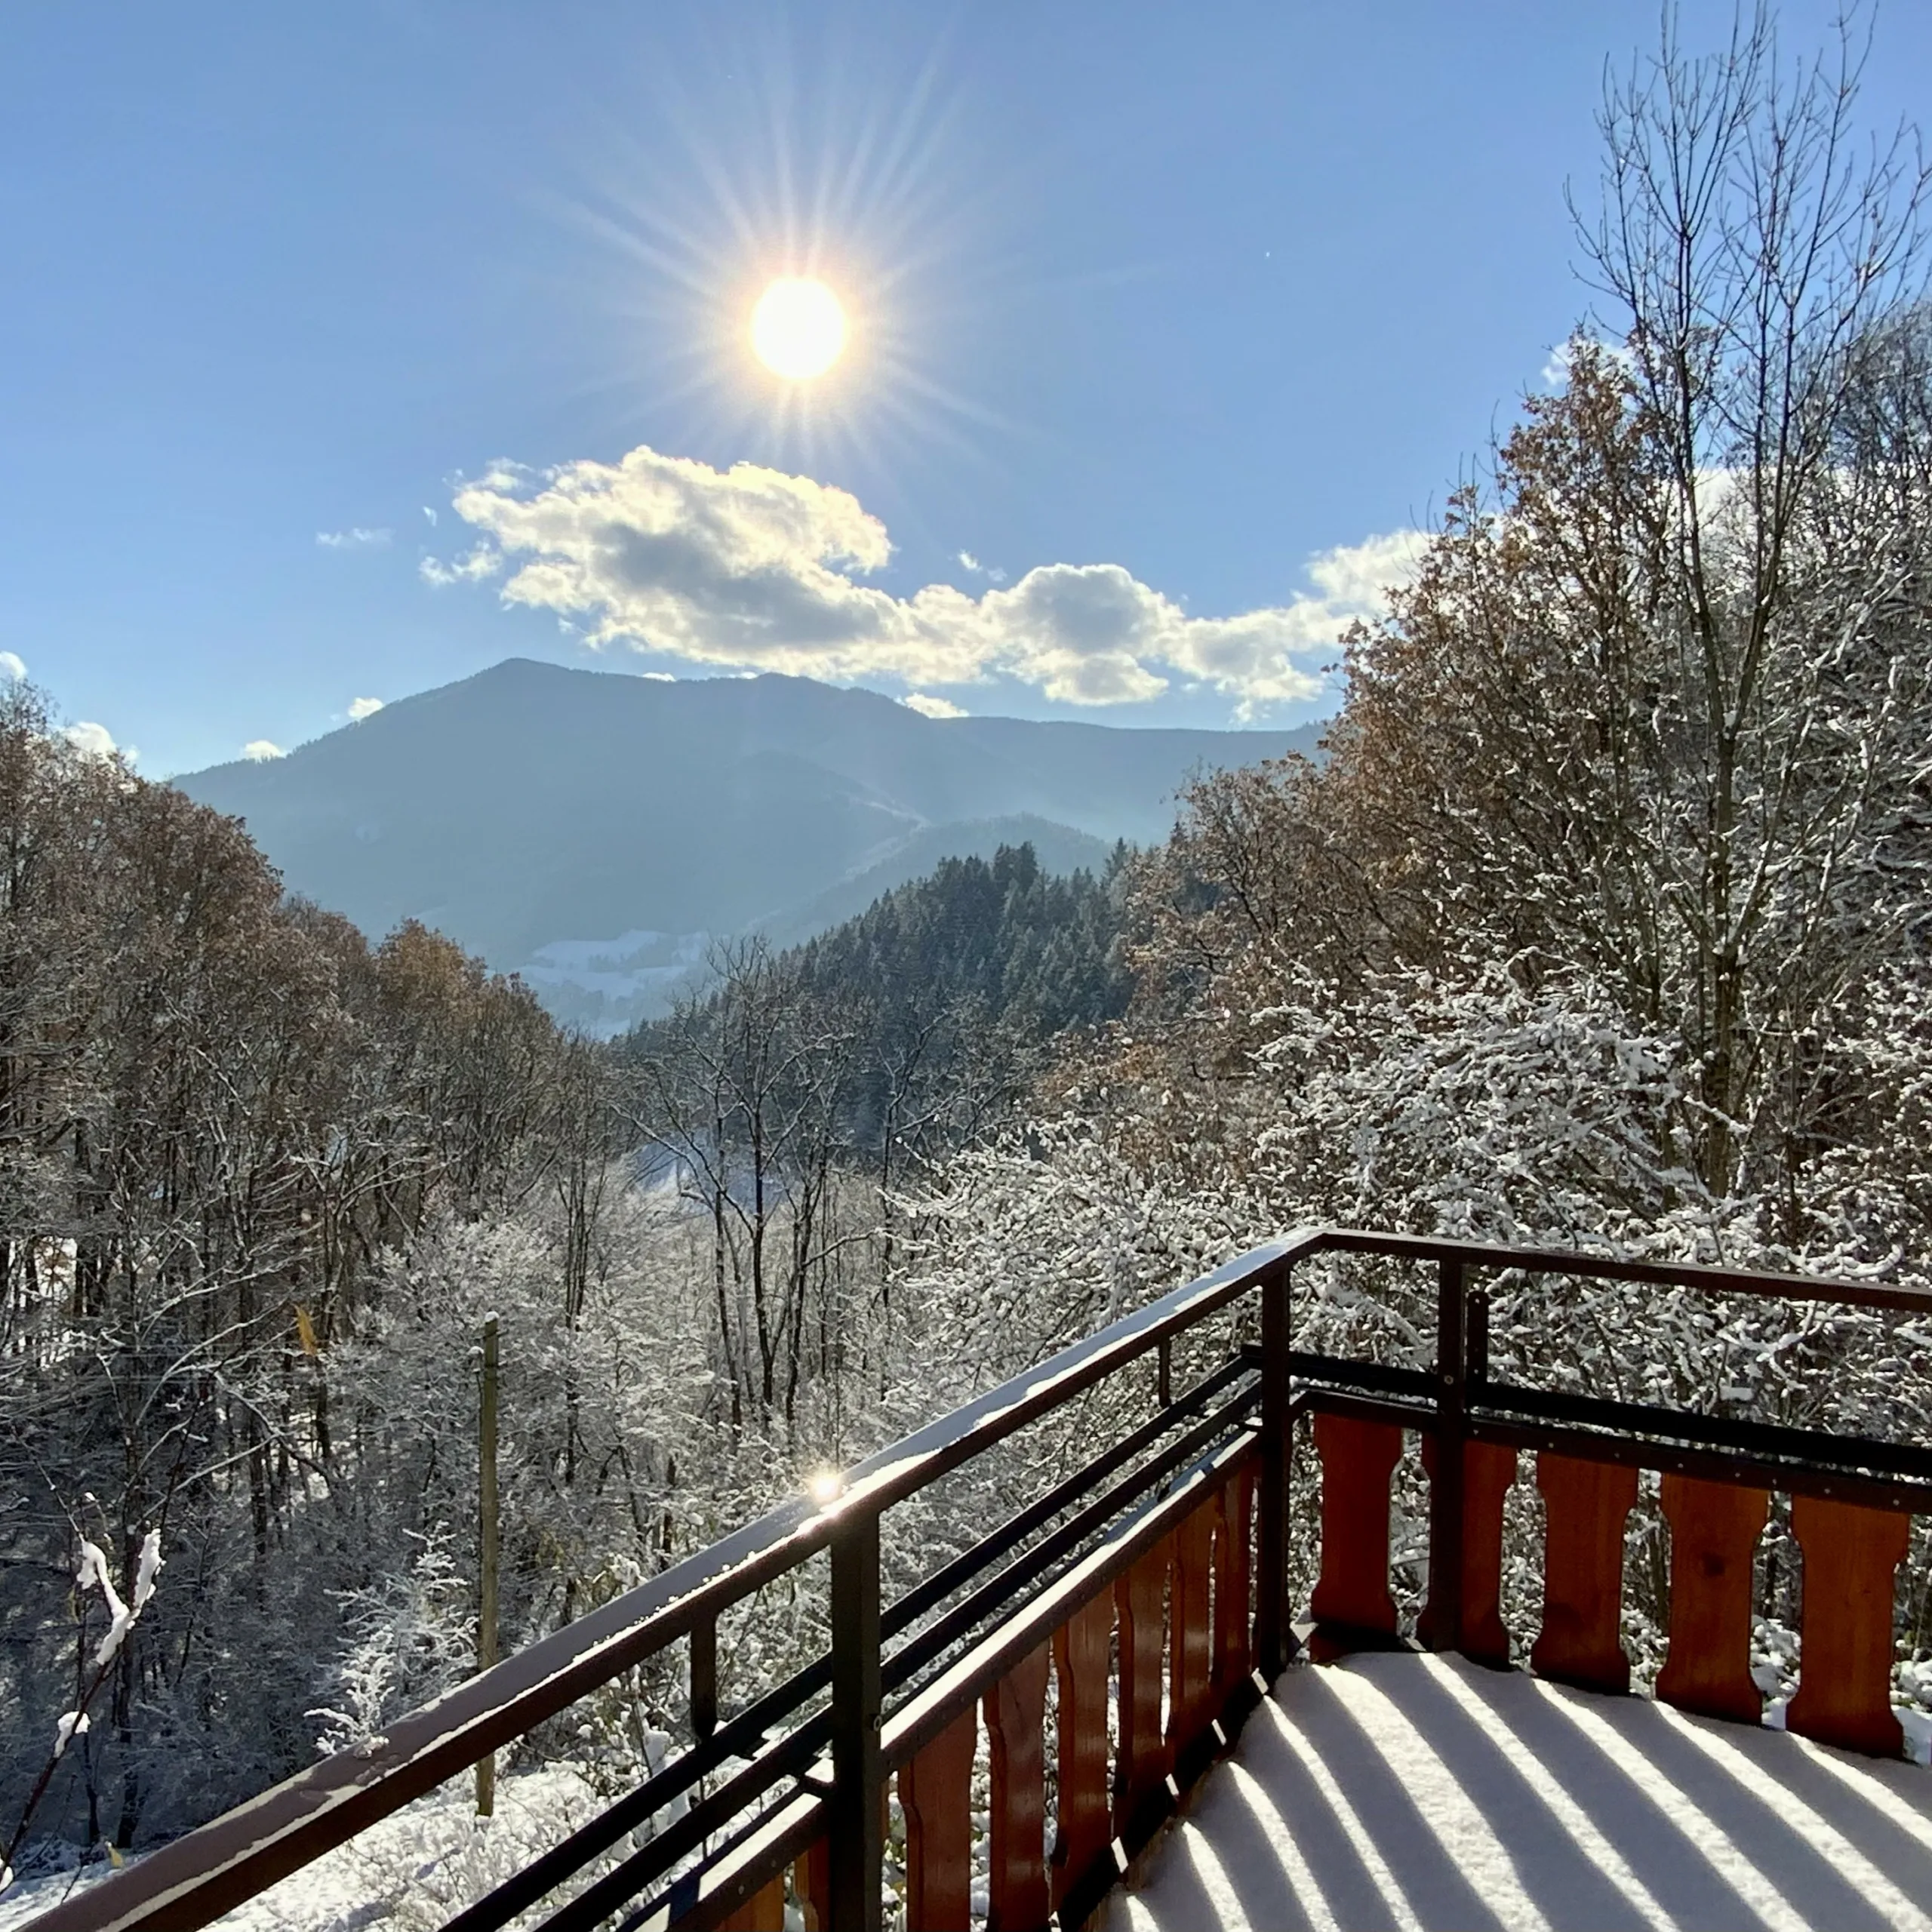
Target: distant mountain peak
535,803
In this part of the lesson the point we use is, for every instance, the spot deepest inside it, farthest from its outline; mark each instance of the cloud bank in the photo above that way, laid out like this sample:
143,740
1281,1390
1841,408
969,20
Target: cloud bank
750,568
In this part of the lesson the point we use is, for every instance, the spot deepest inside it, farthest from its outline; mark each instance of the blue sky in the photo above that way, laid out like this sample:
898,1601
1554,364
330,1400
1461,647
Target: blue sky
1158,304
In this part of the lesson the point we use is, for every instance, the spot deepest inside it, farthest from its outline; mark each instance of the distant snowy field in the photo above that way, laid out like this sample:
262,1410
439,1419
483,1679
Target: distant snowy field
606,986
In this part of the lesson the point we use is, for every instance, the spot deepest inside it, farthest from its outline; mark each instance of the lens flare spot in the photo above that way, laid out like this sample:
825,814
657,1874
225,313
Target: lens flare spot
797,328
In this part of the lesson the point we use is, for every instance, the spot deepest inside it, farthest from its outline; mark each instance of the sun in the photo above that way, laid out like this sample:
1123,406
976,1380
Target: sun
799,329
793,281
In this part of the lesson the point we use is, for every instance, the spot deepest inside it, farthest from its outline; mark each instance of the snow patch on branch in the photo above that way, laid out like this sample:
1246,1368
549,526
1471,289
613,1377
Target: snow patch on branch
94,1573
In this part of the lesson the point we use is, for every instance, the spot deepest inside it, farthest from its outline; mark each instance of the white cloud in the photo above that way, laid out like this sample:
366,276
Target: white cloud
360,707
1556,369
472,568
1354,577
752,568
93,740
358,539
430,514
933,707
12,667
259,751
973,567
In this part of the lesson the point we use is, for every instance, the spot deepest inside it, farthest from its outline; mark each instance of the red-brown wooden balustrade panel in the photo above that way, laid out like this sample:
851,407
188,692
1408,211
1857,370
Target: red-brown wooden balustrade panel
763,1911
1352,1599
1234,1570
1584,1507
1844,1660
1714,1531
1082,1648
811,1878
1191,1630
936,1793
1488,1471
1140,1598
1015,1710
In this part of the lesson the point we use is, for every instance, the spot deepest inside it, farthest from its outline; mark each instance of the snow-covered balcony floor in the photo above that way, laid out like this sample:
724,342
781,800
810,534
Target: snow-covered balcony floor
1421,1792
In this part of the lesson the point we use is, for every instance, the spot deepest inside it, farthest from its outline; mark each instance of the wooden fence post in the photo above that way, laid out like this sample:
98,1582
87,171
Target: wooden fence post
486,1508
1271,1589
1441,1628
855,1821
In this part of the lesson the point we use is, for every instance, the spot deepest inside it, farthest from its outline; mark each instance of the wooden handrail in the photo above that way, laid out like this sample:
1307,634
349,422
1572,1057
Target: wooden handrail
185,1884
1493,1258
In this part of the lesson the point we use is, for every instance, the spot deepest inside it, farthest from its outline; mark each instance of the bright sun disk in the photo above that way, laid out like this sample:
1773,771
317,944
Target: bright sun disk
797,328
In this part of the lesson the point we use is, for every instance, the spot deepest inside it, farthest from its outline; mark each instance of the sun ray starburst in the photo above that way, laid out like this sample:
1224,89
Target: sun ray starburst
776,291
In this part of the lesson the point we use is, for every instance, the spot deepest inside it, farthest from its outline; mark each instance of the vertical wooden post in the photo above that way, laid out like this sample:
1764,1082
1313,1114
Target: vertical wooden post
1488,1473
1585,1504
1441,1627
704,1679
1018,1900
1191,1642
1234,1571
763,1911
1140,1763
1080,1647
486,1508
811,1879
855,1821
1714,1532
936,1791
1271,1592
1852,1554
1352,1606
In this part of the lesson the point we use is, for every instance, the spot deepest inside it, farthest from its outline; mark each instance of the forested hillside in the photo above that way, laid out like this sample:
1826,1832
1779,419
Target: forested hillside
264,1181
937,1005
1035,949
225,1119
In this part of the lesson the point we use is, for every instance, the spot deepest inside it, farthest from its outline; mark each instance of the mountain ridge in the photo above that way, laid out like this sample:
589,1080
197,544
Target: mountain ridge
533,804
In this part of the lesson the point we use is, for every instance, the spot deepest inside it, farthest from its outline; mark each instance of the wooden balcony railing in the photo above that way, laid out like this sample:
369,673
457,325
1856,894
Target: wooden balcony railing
1148,1592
